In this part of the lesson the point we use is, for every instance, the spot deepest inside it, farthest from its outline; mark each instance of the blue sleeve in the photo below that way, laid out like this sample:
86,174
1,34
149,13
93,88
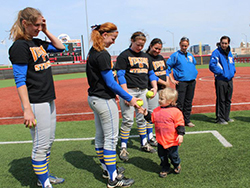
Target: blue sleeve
121,76
195,63
114,86
20,72
152,77
167,73
214,65
52,48
170,63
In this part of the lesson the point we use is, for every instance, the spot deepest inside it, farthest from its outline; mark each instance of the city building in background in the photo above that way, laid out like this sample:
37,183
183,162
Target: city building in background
195,49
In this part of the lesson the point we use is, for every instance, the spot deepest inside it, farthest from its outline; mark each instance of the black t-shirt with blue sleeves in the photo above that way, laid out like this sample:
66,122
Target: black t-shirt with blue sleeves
96,63
160,68
136,66
39,80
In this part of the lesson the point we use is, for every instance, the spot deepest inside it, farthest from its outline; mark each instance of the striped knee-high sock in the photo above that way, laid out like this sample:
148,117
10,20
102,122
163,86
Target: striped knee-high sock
143,135
124,138
99,152
149,127
41,170
47,160
110,161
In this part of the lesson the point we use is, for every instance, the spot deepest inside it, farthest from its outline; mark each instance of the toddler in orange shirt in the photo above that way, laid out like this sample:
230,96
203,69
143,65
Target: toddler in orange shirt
169,129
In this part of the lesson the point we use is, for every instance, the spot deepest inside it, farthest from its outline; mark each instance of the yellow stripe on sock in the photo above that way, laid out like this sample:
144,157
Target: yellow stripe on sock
39,173
40,169
110,156
39,166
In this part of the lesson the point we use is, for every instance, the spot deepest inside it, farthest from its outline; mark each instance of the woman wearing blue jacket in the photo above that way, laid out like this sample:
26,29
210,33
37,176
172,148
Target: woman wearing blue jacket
184,73
223,66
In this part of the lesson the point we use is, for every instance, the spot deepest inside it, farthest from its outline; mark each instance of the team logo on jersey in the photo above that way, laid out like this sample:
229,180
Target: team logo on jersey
159,65
190,58
42,66
230,59
138,64
40,53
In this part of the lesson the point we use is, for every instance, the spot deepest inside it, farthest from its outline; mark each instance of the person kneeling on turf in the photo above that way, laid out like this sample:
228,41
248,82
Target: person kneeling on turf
169,129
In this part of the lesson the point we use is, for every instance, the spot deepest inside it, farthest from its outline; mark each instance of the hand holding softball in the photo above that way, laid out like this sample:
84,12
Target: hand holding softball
151,94
29,118
134,103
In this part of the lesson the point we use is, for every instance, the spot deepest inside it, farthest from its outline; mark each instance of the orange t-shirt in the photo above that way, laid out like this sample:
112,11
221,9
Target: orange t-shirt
166,121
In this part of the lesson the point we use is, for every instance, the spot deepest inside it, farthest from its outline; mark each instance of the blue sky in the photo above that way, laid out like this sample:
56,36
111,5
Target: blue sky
201,21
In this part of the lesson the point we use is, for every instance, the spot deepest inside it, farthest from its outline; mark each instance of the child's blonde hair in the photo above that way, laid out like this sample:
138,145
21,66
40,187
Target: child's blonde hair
171,95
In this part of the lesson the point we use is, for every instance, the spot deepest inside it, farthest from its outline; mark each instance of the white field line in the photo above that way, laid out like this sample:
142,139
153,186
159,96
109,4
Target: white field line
217,135
209,105
86,113
240,78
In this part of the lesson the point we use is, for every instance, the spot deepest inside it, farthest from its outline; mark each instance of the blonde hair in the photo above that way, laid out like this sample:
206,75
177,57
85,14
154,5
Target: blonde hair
170,94
98,30
17,31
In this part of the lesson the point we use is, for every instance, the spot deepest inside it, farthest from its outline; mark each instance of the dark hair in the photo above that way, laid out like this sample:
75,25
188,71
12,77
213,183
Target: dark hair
184,39
222,38
225,37
153,42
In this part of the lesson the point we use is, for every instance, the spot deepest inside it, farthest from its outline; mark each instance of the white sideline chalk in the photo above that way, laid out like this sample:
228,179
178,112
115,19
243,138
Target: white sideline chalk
217,135
87,113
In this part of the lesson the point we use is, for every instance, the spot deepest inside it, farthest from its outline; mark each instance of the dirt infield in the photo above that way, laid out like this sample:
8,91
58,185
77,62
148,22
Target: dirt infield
71,102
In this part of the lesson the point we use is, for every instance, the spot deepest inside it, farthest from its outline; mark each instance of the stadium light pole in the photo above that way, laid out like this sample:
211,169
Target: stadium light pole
173,38
246,38
87,23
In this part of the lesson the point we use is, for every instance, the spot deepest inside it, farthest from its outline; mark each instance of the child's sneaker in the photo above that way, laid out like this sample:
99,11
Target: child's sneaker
120,181
178,170
163,174
120,170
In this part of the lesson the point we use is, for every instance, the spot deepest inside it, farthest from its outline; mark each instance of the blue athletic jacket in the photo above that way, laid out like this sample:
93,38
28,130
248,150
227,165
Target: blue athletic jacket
222,65
183,67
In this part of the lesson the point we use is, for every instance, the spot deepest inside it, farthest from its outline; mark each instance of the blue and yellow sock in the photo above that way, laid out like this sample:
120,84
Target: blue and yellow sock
149,127
41,170
143,135
47,160
124,138
99,152
110,161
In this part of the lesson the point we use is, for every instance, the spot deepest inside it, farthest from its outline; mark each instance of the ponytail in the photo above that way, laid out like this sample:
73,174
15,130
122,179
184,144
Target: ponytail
17,31
98,30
